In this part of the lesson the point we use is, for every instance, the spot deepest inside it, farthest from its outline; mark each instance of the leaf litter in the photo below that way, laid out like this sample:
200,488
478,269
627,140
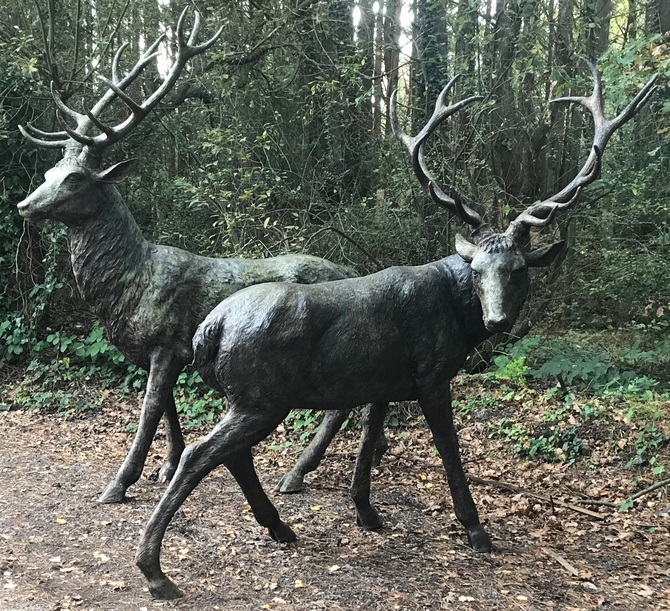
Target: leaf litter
60,550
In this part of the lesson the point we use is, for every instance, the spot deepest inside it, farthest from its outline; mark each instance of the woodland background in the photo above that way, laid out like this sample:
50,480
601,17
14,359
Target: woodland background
279,141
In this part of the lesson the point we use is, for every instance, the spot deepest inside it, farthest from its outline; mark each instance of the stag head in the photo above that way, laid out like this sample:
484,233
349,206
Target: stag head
76,188
500,261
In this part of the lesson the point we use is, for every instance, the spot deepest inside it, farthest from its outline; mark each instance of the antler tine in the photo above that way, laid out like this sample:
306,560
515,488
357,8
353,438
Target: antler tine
98,123
180,27
38,132
190,46
132,104
207,44
415,146
64,108
117,59
74,134
50,144
637,102
195,31
542,213
151,51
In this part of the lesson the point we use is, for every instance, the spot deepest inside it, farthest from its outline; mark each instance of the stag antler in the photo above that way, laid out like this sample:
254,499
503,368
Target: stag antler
542,213
73,139
415,145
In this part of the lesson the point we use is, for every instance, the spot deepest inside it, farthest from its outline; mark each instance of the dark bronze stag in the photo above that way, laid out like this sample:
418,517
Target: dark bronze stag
399,334
149,298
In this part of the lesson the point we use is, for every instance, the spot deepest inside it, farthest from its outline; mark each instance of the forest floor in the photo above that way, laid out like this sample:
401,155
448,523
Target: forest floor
61,550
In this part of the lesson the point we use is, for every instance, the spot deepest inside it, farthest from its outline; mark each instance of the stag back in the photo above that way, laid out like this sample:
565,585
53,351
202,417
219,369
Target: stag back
500,261
77,186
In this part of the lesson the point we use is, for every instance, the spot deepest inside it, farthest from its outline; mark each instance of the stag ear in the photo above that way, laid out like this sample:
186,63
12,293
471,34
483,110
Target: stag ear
118,172
543,257
465,249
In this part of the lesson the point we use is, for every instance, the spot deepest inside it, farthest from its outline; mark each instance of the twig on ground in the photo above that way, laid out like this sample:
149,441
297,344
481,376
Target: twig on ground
596,502
553,502
562,561
649,489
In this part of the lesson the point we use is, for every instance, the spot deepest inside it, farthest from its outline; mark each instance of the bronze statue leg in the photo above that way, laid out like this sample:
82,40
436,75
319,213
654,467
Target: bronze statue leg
313,454
162,377
436,407
229,443
175,440
366,514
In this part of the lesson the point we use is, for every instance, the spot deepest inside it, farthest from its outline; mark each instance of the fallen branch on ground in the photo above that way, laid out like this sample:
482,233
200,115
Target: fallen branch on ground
562,561
552,501
649,489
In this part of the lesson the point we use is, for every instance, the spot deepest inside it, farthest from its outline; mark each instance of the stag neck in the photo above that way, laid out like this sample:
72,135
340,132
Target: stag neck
109,255
458,276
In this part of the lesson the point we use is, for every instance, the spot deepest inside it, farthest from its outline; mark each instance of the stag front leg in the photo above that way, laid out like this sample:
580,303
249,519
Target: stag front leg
366,514
163,374
175,440
313,454
229,443
436,407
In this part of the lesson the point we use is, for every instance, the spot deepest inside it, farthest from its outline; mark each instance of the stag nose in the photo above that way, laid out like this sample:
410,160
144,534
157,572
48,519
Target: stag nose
496,324
23,206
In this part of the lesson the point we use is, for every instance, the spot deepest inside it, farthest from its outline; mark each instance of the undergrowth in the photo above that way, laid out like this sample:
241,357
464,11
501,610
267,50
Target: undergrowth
547,399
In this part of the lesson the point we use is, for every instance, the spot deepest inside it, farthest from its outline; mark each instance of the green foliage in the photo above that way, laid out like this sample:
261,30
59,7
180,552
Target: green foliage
63,365
573,361
304,421
556,439
197,404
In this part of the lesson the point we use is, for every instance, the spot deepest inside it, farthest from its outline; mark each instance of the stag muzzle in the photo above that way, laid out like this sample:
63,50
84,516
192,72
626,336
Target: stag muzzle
28,211
497,324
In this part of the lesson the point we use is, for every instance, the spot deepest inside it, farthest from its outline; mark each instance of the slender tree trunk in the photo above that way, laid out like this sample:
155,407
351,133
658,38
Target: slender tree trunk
657,17
391,50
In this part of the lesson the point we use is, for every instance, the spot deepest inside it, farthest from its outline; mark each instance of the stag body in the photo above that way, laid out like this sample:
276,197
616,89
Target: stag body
147,295
399,334
149,298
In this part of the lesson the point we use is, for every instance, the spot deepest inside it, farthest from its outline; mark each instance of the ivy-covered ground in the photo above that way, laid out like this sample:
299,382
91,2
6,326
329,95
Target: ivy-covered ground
555,462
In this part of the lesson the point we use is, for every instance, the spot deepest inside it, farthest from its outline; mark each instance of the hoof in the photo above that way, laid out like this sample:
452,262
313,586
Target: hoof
114,493
289,484
166,472
369,519
165,590
479,540
282,533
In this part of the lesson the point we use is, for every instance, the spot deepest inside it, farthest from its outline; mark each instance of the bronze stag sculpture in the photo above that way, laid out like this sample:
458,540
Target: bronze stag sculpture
149,298
399,334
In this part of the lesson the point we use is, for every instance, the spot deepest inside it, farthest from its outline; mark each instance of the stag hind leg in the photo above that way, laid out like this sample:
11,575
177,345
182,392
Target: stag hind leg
229,443
373,423
436,407
175,440
313,454
163,374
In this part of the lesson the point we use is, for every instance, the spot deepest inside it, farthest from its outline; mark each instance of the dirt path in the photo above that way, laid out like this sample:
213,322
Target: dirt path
60,550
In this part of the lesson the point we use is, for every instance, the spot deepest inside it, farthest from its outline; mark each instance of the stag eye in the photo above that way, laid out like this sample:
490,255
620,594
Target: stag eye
74,177
518,272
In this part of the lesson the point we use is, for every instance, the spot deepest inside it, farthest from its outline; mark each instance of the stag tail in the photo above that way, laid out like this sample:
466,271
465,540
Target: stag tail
206,341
